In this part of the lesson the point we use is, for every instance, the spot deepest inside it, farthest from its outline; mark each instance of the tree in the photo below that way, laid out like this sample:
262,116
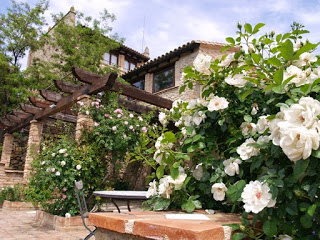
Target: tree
20,31
82,44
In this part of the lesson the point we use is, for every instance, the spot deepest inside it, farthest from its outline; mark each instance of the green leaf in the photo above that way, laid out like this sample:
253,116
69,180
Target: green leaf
247,118
170,137
299,168
188,206
230,40
306,221
278,38
197,204
182,88
174,172
278,76
161,204
275,61
305,48
225,48
160,172
287,50
238,236
257,27
245,94
316,153
196,137
270,228
256,57
312,209
248,28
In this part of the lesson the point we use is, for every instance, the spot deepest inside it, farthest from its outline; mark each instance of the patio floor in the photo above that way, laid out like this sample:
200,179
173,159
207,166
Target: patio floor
22,225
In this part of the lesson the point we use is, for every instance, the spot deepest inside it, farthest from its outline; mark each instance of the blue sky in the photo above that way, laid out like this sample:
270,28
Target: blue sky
171,23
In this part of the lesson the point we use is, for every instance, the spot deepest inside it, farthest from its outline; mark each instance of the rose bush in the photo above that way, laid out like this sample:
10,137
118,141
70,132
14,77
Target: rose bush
250,144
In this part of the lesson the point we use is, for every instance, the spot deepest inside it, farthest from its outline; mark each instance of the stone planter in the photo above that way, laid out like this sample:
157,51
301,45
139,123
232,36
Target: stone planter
18,205
60,223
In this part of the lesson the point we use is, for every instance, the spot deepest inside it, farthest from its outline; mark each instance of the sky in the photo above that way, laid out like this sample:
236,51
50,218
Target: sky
163,25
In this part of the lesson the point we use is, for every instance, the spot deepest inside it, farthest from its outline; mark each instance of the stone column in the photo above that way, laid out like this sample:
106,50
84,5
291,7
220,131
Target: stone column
84,122
148,82
121,62
7,149
33,147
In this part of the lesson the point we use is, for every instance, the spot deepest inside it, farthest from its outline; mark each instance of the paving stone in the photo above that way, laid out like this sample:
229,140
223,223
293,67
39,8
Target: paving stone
22,225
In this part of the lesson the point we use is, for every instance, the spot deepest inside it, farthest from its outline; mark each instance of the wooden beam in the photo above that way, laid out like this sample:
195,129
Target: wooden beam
29,108
51,96
6,122
64,117
68,101
86,76
20,114
129,91
13,118
20,125
142,95
135,107
66,87
41,103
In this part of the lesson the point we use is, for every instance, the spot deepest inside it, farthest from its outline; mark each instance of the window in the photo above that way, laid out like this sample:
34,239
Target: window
128,65
139,84
163,80
110,59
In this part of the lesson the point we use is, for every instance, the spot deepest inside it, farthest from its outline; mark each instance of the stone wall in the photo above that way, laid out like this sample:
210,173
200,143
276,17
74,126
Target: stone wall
18,155
53,129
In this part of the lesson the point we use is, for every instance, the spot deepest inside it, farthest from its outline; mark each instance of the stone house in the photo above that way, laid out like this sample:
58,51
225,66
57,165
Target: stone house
123,58
162,75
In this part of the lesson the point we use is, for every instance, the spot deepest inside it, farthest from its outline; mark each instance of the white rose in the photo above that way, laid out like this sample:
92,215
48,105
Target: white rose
256,197
231,166
152,190
43,162
67,215
178,182
285,237
198,117
248,128
227,60
219,191
53,154
247,152
236,80
198,172
162,118
202,63
217,103
164,187
263,124
298,74
57,173
63,163
158,156
305,59
192,104
158,142
264,139
62,150
78,167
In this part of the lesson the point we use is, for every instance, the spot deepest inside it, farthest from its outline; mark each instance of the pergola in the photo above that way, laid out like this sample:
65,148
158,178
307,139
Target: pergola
57,105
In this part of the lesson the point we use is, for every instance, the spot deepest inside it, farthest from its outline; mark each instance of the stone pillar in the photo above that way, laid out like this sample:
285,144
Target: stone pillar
7,149
33,146
148,82
121,62
84,122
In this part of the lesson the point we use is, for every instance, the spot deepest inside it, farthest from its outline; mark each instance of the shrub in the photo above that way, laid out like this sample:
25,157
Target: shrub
251,143
15,194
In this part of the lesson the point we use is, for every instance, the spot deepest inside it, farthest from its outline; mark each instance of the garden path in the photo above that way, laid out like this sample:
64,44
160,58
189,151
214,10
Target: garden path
22,225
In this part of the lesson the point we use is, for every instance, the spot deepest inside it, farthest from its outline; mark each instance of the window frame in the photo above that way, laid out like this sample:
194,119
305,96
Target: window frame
167,68
140,80
110,57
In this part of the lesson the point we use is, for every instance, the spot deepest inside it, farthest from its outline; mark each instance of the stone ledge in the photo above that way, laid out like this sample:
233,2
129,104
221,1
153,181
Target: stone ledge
13,171
18,205
2,164
60,223
155,225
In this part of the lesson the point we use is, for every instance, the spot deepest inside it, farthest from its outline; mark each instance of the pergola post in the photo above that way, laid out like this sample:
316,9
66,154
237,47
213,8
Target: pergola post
84,122
7,149
33,146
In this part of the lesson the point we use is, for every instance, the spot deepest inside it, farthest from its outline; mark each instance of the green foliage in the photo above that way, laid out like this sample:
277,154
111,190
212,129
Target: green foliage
56,168
20,31
14,194
250,101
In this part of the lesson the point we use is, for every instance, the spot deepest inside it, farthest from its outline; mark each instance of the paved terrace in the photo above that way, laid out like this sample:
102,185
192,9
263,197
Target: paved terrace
22,225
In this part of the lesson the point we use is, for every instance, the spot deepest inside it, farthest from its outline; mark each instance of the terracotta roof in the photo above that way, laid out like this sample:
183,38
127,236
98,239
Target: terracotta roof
169,55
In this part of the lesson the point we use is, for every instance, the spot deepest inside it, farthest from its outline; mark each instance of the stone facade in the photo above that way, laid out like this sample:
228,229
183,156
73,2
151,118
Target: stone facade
33,146
19,151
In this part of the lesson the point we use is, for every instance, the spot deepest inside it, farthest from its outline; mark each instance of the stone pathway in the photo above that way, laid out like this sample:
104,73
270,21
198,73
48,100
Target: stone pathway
22,225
